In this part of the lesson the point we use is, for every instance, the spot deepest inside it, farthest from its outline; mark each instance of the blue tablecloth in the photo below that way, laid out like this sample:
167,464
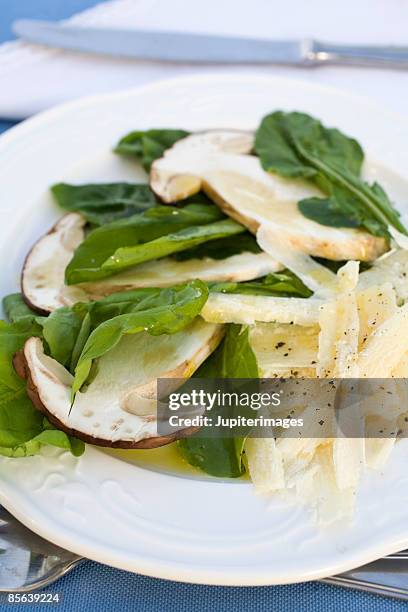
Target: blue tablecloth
96,587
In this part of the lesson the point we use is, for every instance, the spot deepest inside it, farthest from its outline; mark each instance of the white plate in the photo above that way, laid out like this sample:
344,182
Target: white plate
195,530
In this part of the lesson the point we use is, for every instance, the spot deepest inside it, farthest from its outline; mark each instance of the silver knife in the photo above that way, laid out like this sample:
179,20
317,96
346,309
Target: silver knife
205,48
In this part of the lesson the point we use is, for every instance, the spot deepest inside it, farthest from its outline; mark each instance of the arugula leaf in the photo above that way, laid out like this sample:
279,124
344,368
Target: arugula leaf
281,138
101,243
149,145
157,311
296,145
102,203
283,284
326,212
217,456
128,257
23,429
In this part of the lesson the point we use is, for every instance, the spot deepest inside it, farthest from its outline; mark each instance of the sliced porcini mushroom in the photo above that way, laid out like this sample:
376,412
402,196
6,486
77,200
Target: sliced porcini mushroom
213,161
42,280
118,407
43,283
167,272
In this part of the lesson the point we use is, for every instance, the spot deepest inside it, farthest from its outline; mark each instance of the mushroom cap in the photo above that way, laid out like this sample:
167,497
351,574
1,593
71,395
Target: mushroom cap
118,407
167,272
42,279
218,162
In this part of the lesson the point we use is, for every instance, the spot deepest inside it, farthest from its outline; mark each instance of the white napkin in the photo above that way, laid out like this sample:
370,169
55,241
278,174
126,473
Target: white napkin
33,77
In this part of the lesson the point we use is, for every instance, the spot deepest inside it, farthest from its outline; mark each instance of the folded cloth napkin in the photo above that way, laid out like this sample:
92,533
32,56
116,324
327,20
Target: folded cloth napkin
33,77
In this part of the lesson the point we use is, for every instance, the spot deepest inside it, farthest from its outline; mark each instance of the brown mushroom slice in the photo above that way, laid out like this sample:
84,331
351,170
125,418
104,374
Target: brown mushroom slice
239,185
118,407
42,280
167,272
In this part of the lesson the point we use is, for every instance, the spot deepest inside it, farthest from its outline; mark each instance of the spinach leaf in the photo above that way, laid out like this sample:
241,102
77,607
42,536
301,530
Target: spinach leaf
16,309
235,357
283,284
102,203
221,248
101,243
296,145
128,257
149,145
157,311
217,456
23,429
60,331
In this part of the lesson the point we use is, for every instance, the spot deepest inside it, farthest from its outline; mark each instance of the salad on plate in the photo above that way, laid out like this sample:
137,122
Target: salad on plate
244,256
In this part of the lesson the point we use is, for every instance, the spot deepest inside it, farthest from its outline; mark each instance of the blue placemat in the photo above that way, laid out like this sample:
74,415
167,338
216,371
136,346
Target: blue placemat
92,586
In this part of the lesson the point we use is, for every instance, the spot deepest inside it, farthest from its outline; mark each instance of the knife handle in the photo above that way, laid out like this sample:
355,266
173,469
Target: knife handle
366,55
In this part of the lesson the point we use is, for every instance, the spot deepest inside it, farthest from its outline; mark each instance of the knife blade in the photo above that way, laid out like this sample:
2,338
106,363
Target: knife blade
160,45
205,48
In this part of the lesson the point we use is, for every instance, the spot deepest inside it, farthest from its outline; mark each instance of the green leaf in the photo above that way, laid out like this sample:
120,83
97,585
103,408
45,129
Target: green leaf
60,331
283,284
101,243
221,248
23,429
82,337
128,257
16,309
276,151
102,203
149,145
281,137
217,456
157,311
326,212
296,145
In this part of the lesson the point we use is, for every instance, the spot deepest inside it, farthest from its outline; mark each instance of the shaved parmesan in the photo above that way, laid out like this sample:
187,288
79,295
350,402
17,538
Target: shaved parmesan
386,347
265,464
278,243
248,309
284,348
400,238
348,461
375,305
339,329
392,268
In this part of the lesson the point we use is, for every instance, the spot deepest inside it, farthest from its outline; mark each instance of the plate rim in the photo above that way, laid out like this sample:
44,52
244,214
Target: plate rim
198,575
